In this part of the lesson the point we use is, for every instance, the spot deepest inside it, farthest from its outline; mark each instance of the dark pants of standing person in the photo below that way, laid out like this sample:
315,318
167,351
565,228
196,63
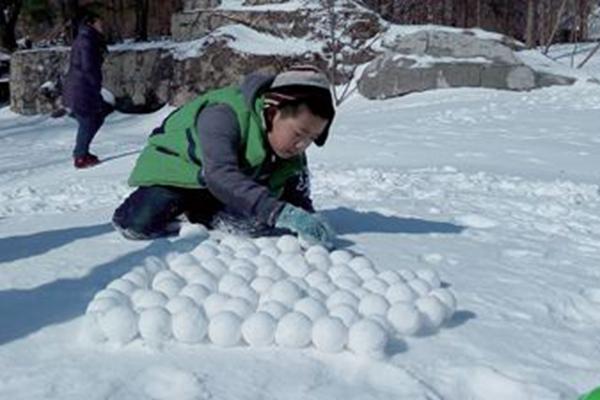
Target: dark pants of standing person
151,212
89,125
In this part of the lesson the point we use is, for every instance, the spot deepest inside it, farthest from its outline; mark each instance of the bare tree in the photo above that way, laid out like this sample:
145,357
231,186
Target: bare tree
141,20
9,13
557,22
529,28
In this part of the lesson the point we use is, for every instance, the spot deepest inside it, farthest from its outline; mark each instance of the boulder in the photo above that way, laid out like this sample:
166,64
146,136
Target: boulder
434,59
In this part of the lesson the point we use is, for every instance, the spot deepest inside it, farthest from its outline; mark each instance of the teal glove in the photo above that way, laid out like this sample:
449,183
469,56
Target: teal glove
310,227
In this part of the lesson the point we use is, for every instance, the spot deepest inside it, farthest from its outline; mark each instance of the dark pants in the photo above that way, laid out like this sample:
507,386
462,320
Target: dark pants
89,125
151,212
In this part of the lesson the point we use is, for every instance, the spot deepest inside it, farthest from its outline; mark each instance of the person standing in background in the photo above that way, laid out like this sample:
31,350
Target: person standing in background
83,85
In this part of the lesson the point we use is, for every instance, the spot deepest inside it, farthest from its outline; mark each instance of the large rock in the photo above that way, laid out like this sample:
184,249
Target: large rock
436,59
142,79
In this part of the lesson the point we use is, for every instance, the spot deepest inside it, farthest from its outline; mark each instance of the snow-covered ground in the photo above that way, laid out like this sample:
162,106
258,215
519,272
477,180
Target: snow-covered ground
497,191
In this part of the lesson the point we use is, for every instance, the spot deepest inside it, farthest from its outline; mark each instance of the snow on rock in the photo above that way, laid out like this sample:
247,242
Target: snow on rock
234,290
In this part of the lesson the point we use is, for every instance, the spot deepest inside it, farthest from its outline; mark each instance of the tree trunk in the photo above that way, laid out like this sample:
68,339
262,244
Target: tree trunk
141,20
529,29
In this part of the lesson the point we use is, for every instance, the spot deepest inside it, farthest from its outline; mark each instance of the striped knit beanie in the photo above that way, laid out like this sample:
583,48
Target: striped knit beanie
303,75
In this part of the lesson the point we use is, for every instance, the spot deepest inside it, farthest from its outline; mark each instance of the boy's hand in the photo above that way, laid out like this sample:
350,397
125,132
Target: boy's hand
310,227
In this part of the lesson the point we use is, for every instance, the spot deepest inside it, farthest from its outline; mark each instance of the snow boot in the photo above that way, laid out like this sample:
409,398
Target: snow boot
86,161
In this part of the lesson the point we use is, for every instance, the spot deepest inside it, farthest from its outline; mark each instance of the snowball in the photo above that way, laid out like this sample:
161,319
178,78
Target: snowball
263,242
225,250
433,310
247,252
262,260
238,243
224,329
419,286
327,288
340,256
376,285
310,307
195,292
342,297
247,293
446,297
345,313
246,273
316,249
270,271
294,330
390,277
102,304
400,292
316,294
366,273
155,325
119,324
339,270
240,307
243,263
179,303
293,264
348,282
114,294
204,278
405,318
407,274
367,338
259,329
183,262
170,287
360,292
90,331
261,284
145,298
229,282
285,292
271,252
322,262
301,283
137,277
382,320
226,258
198,232
215,266
204,251
373,304
215,303
329,334
165,274
274,308
360,262
153,265
316,277
288,244
430,276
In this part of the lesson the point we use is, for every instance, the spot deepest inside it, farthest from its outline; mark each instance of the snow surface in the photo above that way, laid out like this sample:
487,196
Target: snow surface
497,191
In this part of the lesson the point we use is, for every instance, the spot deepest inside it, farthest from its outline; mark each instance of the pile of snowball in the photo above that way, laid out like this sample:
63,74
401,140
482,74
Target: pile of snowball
232,290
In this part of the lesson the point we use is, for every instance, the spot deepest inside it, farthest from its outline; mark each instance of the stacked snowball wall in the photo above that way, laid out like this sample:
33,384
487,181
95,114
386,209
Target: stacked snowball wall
233,291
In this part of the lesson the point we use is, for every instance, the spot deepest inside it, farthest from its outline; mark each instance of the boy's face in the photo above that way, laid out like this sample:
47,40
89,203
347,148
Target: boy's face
290,136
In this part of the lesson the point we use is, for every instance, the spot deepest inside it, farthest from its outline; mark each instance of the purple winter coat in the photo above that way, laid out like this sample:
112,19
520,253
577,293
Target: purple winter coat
83,83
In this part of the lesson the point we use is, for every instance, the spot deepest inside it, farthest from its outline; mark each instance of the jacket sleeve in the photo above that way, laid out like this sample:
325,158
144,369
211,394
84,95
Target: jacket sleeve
220,137
297,191
91,63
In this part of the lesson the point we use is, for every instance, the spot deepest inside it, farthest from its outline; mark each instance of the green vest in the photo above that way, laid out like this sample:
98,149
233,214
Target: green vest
173,154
